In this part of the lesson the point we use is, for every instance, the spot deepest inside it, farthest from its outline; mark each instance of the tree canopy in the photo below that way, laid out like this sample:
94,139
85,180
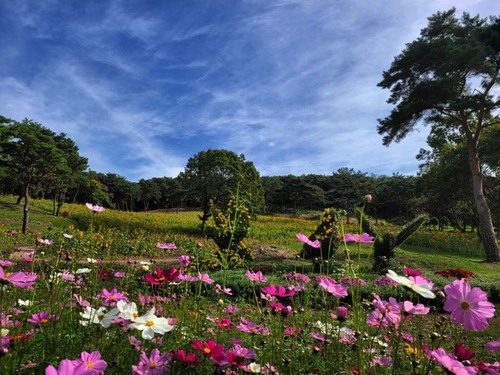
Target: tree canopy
32,154
217,175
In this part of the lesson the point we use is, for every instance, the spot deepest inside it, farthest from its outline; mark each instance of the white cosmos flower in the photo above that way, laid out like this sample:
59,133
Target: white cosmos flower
99,316
82,270
127,310
4,332
25,303
424,289
150,324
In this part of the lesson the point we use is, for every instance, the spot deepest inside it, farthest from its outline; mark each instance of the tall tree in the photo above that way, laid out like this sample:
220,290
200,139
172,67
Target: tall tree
217,175
449,77
32,153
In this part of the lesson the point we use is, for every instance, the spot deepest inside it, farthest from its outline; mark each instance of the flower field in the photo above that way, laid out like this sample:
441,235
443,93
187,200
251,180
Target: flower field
91,298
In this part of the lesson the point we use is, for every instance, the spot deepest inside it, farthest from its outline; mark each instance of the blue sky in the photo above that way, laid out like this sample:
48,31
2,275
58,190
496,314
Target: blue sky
142,86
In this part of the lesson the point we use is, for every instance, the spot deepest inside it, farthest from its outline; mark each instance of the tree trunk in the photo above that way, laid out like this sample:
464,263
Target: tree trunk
26,208
485,224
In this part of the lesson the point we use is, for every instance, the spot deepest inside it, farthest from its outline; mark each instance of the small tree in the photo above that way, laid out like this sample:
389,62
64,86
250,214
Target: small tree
228,229
328,233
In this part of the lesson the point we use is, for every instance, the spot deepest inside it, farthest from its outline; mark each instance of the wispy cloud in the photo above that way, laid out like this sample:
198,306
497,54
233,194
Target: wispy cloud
143,87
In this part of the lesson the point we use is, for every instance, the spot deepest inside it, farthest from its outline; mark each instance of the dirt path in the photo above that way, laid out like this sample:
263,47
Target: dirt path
267,254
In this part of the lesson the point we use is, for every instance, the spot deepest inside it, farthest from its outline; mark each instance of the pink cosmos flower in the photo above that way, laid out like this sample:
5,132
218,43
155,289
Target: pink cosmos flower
219,289
94,207
43,318
342,313
45,241
365,238
68,236
205,278
332,287
6,263
166,246
493,345
231,309
468,306
320,337
409,308
252,327
184,260
20,279
66,367
278,291
256,277
303,238
450,363
112,297
155,364
90,362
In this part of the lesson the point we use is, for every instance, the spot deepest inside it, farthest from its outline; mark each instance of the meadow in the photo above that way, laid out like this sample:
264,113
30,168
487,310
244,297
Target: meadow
126,293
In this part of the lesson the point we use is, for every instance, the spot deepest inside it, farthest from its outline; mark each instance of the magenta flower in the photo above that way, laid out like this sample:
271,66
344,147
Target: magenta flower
493,345
156,364
411,272
365,238
166,246
303,238
463,353
468,306
20,279
90,363
209,348
279,308
332,287
278,291
43,318
94,207
256,277
184,358
160,276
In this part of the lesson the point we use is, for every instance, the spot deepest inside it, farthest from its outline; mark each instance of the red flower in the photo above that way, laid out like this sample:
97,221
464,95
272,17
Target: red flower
457,273
183,358
209,348
161,277
224,323
463,353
